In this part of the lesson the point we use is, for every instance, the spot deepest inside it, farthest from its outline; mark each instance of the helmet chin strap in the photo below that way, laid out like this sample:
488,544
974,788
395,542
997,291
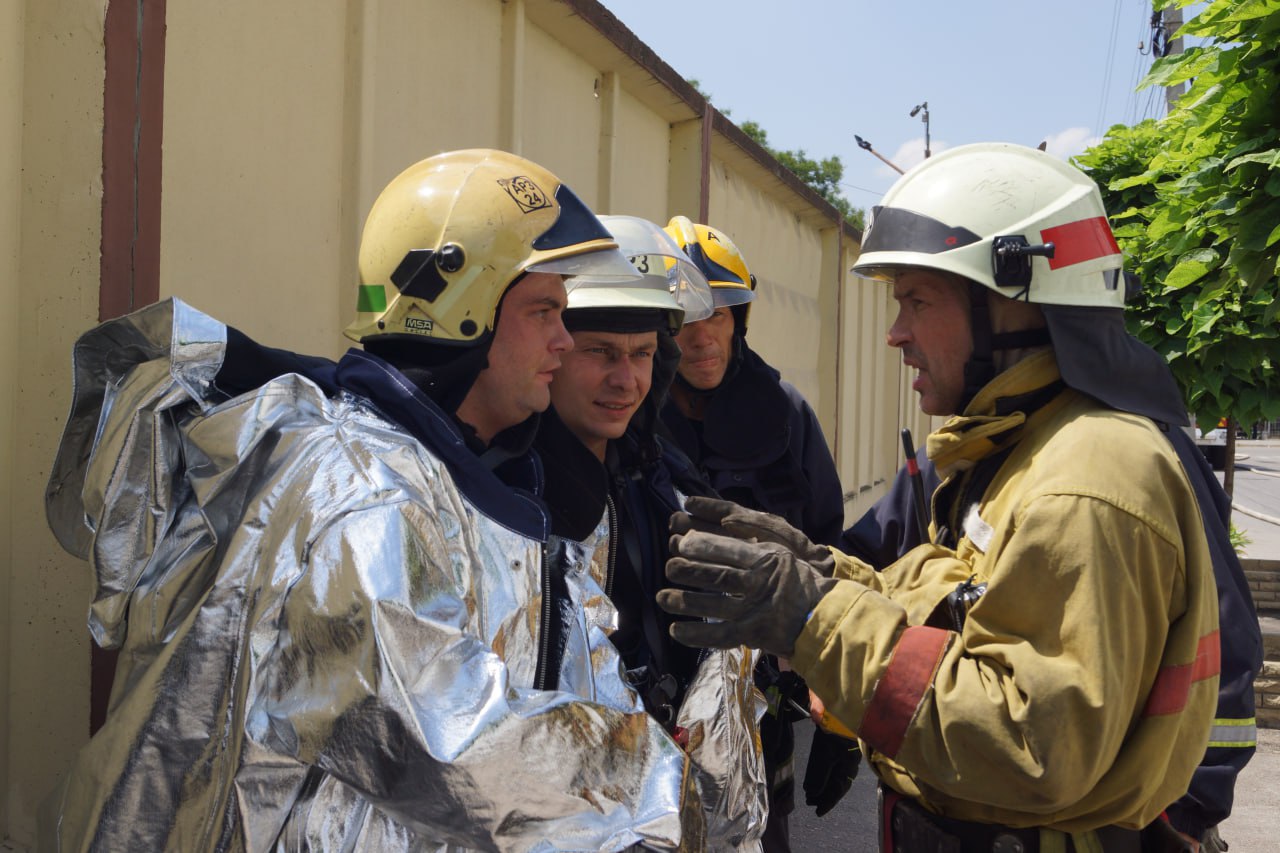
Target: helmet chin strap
980,369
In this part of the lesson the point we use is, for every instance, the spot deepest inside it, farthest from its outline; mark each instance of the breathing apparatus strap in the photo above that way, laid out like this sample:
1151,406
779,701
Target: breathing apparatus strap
1023,339
980,368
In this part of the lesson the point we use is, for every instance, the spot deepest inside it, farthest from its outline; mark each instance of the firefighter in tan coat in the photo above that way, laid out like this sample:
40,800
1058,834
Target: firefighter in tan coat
1042,674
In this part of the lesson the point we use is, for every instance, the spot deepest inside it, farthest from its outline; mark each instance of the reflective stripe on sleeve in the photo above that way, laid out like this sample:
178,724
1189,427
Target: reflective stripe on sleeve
898,693
1234,732
1173,683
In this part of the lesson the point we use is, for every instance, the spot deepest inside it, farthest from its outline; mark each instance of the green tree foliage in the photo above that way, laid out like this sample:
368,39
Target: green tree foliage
1195,200
823,176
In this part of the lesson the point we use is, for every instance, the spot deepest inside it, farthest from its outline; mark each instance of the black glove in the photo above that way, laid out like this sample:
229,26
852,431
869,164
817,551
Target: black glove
833,763
726,518
761,593
784,690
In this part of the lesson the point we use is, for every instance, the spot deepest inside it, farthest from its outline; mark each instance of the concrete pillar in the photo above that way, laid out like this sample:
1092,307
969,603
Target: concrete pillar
11,80
685,175
609,92
61,220
511,97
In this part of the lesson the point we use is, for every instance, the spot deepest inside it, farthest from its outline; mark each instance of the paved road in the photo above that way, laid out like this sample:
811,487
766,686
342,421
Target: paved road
1255,823
1257,491
848,828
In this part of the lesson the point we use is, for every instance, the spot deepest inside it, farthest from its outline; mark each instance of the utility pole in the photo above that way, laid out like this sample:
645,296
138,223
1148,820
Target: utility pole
924,118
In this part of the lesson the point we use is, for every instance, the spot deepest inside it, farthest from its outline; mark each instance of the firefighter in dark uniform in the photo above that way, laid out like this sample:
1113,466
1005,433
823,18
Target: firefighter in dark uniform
759,443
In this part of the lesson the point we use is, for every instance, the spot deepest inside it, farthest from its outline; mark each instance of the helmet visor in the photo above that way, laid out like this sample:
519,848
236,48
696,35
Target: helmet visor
727,297
896,229
600,263
691,291
907,236
658,256
881,273
599,296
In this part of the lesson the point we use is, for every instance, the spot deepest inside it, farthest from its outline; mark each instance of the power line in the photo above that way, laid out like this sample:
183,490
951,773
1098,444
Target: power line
1106,74
862,189
1131,99
1149,110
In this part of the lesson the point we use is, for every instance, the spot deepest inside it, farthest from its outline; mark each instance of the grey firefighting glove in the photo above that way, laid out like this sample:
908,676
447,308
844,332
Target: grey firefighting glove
759,593
726,518
833,762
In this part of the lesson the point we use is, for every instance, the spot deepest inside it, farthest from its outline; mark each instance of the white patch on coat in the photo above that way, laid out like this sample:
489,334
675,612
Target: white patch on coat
979,532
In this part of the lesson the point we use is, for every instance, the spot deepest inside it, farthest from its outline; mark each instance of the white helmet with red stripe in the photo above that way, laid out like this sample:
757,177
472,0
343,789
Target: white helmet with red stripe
1013,219
1019,222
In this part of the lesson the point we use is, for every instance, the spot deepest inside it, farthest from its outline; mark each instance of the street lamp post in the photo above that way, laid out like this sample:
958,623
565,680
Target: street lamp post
866,146
924,118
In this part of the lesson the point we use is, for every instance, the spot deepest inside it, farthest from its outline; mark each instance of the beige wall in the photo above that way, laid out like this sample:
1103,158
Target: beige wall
785,255
561,113
11,53
60,194
279,130
253,158
640,170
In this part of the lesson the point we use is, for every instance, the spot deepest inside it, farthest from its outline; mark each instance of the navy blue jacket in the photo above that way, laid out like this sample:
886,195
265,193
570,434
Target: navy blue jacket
636,485
760,445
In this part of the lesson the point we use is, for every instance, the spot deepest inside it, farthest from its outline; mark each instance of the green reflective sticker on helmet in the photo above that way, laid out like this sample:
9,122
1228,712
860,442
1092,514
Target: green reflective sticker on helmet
372,298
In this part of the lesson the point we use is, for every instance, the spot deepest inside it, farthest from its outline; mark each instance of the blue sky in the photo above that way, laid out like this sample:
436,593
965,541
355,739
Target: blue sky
813,73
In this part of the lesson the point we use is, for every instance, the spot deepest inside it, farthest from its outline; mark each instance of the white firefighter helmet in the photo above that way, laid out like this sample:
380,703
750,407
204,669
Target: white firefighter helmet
1026,225
670,283
1014,219
449,235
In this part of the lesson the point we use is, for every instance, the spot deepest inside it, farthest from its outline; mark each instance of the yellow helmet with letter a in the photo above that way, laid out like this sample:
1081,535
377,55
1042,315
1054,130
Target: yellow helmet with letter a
711,250
449,235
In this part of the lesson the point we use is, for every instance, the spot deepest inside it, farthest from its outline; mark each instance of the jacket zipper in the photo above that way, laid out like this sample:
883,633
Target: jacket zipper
612,560
540,678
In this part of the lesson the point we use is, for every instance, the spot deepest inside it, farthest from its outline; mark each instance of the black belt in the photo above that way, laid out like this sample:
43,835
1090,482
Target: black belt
905,827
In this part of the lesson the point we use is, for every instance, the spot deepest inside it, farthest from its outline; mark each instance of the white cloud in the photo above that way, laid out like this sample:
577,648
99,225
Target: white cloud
1064,144
1070,142
911,153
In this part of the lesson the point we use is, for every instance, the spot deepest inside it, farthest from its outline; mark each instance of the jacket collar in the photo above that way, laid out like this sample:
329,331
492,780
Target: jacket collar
507,495
577,485
745,419
995,417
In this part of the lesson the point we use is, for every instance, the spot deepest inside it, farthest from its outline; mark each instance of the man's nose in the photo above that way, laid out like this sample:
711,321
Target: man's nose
699,334
561,340
623,375
899,333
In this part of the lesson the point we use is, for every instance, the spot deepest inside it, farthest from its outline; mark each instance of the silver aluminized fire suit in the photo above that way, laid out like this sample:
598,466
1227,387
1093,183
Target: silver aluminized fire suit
335,625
